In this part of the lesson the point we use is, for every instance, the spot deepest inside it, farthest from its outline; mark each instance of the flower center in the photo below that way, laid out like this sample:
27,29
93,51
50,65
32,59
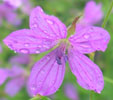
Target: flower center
61,52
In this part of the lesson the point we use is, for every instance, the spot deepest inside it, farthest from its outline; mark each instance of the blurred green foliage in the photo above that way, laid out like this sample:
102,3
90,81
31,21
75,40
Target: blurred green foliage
66,11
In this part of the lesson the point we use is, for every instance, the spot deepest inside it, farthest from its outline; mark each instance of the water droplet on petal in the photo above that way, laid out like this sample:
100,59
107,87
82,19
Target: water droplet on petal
26,45
45,46
49,21
24,51
45,31
37,51
41,10
86,36
33,87
35,25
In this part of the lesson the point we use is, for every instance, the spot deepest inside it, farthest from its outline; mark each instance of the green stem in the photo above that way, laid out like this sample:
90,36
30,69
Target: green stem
108,80
91,95
107,16
91,56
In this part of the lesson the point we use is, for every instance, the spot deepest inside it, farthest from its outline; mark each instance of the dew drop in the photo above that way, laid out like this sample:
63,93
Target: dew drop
86,36
45,31
49,21
33,87
24,51
26,45
45,46
37,51
41,10
35,25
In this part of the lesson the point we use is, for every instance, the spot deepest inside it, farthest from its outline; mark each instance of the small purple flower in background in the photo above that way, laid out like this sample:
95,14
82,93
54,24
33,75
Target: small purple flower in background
70,91
24,5
46,32
92,15
18,78
3,75
20,59
9,14
14,3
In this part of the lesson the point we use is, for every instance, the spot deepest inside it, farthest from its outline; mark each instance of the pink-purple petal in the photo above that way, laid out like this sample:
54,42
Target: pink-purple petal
47,25
90,39
47,75
88,74
3,75
14,86
27,42
20,59
93,13
70,91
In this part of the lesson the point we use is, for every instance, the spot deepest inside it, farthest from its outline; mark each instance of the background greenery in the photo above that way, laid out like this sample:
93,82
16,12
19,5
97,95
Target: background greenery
65,10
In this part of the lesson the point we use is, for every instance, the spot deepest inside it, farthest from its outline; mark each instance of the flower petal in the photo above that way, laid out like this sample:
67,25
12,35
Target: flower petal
25,41
47,75
14,86
3,75
47,25
20,59
90,39
16,71
88,74
93,13
70,91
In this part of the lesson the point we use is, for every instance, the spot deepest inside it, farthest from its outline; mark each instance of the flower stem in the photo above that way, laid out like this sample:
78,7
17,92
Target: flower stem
107,16
108,80
91,56
91,95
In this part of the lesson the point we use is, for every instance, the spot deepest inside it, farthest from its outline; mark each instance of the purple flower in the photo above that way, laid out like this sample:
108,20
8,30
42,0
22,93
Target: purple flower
92,15
18,78
9,14
70,91
14,3
46,32
25,5
20,59
3,76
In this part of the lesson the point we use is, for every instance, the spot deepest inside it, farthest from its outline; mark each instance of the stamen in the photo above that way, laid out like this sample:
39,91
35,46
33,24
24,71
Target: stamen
58,59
